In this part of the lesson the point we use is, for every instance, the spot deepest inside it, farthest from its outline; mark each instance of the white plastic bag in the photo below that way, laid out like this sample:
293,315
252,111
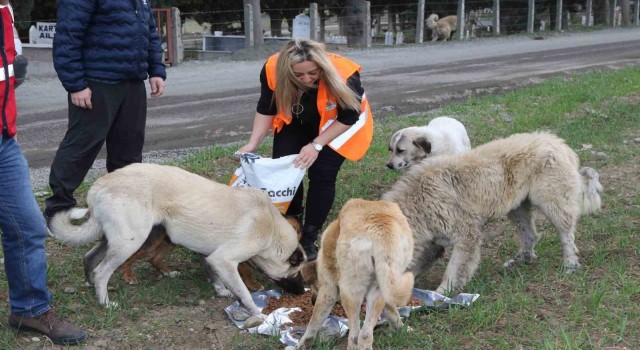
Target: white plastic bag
278,177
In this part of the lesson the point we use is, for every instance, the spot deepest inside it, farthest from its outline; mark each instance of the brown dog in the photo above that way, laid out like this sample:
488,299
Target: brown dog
441,27
158,246
364,253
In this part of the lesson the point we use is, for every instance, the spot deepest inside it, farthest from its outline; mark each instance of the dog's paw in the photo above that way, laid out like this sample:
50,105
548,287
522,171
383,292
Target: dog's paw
112,305
172,274
223,292
240,314
518,260
571,267
130,279
254,321
409,329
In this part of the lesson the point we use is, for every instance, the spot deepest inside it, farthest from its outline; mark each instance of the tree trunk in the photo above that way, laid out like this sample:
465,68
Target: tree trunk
258,36
354,23
626,12
22,13
601,12
323,22
391,17
275,21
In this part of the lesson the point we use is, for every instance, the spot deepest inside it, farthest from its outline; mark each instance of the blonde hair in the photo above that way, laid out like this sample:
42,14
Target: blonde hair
288,86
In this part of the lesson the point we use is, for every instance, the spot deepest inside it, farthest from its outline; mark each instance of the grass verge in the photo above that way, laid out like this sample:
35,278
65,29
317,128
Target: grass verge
535,306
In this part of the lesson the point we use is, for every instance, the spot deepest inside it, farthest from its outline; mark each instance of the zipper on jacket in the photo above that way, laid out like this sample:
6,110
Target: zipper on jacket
5,63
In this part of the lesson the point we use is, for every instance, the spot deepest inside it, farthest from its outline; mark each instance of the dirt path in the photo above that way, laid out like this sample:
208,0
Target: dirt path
214,102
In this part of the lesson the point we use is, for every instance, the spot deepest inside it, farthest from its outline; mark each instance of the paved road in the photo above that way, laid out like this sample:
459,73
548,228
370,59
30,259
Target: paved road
213,102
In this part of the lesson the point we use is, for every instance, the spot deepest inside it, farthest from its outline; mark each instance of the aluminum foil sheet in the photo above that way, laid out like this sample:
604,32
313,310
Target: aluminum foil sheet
276,323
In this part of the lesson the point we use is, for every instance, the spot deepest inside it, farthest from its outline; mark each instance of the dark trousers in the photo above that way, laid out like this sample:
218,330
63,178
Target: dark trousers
118,117
322,174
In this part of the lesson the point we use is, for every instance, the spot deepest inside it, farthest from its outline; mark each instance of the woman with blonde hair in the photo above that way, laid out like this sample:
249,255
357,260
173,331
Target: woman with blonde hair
315,103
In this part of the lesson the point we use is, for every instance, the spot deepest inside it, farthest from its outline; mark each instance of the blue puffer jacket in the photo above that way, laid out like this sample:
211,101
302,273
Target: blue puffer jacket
107,40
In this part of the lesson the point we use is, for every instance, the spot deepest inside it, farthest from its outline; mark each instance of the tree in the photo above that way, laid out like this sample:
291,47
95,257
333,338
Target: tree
22,12
258,37
354,22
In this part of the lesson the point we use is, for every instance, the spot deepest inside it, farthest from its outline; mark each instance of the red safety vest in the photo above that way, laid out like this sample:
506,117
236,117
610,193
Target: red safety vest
353,143
8,108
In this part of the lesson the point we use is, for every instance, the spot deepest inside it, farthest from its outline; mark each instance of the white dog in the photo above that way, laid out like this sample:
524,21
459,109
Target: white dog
226,224
443,135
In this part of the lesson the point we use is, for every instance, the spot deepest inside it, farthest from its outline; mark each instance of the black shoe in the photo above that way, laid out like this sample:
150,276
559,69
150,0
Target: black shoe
311,250
308,241
49,324
47,219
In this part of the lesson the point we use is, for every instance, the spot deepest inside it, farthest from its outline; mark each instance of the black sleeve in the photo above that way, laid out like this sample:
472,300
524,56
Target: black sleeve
350,116
266,103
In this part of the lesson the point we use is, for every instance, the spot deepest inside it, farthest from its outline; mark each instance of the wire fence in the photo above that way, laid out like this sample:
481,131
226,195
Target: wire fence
398,23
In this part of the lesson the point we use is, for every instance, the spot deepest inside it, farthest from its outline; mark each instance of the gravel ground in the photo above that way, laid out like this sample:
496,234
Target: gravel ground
40,176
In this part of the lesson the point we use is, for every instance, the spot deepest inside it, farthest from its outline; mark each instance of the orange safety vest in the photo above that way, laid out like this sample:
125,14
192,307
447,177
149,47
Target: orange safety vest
353,143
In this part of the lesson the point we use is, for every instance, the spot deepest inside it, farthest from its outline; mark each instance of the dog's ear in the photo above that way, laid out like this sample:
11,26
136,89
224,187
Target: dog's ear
423,143
297,257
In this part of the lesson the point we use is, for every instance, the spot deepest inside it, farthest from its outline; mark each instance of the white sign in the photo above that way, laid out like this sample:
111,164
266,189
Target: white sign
45,31
301,27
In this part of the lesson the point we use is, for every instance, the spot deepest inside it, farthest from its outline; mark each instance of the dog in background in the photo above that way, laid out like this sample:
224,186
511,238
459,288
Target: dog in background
363,254
441,27
228,225
447,200
443,135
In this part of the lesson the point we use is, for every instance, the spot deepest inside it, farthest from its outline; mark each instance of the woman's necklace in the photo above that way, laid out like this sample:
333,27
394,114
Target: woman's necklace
297,108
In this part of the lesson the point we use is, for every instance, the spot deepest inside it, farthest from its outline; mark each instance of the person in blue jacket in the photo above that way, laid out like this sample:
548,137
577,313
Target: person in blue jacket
103,51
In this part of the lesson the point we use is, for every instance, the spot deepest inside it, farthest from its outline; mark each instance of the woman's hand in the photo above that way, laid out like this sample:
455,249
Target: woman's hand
306,158
248,148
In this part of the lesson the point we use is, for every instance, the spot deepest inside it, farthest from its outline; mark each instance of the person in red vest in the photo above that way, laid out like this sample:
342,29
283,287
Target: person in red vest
23,227
315,104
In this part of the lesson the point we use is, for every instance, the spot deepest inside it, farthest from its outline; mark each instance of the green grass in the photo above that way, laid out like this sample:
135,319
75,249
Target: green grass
536,306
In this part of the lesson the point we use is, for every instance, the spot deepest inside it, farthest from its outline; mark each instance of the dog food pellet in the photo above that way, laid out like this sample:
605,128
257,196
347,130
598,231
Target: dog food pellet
302,318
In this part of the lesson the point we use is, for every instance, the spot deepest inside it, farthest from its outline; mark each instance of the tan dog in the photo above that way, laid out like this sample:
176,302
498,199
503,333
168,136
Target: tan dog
441,27
228,225
447,199
363,254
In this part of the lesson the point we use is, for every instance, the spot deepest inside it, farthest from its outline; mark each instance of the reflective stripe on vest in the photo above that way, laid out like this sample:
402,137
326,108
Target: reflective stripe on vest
354,142
11,73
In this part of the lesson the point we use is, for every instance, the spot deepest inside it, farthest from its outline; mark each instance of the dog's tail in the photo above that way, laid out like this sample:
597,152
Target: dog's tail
591,189
395,287
62,228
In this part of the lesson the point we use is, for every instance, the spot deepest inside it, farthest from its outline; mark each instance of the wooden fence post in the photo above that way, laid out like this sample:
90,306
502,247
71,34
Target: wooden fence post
496,17
460,24
531,12
248,26
314,22
366,24
420,23
178,48
558,15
